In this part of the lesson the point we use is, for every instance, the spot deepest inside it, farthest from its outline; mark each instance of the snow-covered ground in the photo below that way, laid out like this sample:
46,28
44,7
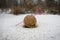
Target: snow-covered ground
48,27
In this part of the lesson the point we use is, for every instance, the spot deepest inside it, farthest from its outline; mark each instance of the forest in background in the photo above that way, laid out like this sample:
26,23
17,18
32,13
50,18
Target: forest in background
18,5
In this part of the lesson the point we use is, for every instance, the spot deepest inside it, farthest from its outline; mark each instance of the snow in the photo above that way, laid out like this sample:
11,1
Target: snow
48,27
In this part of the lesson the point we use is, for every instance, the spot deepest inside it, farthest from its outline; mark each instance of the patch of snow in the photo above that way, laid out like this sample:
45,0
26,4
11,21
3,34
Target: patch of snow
48,28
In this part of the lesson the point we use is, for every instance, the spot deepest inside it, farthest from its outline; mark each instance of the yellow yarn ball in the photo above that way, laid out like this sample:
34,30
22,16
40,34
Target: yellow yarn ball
30,21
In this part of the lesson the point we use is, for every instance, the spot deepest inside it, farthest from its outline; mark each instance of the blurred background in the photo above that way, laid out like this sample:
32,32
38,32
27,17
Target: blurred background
31,6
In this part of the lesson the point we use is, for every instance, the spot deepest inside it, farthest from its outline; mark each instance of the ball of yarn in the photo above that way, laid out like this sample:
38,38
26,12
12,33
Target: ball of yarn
30,21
